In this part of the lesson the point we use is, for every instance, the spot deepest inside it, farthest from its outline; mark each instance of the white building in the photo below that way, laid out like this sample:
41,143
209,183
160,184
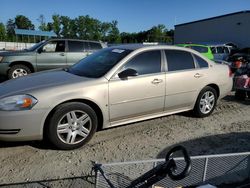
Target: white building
234,27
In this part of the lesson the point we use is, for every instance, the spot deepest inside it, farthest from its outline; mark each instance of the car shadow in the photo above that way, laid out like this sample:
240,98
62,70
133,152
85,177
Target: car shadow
81,181
42,145
231,98
214,144
2,79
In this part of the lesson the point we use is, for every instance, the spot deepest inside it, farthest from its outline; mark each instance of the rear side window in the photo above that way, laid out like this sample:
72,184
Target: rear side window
179,60
220,50
201,62
146,62
213,49
226,50
75,46
94,46
200,49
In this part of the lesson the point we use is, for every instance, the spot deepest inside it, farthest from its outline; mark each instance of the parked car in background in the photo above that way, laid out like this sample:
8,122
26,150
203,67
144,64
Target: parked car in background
49,54
112,87
221,52
203,49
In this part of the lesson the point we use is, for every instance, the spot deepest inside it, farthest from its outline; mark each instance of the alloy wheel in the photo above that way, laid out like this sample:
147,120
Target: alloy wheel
19,72
74,127
207,102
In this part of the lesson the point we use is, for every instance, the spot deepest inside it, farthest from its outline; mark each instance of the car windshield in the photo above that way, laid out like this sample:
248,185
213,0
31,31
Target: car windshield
32,48
99,63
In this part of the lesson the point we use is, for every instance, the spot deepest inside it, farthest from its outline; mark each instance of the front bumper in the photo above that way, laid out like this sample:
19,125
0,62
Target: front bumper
22,125
4,67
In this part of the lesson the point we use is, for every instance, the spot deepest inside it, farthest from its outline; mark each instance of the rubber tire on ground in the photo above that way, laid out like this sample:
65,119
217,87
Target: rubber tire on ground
196,111
240,94
60,111
18,66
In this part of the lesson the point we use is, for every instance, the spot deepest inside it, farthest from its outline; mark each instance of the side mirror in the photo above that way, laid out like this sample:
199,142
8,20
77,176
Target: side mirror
40,50
127,73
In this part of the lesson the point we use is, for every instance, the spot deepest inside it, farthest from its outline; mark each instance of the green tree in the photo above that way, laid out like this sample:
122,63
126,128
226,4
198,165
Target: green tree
56,24
157,33
2,32
22,22
10,26
114,33
42,21
49,26
65,22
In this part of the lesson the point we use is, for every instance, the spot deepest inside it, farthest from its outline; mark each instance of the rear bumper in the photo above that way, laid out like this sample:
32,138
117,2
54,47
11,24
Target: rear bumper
226,88
22,125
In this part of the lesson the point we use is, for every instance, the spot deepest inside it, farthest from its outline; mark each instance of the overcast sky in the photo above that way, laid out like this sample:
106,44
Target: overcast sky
132,15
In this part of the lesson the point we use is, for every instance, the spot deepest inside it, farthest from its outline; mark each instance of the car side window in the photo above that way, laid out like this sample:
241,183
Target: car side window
145,63
220,50
226,50
54,46
94,46
178,60
213,49
200,61
75,46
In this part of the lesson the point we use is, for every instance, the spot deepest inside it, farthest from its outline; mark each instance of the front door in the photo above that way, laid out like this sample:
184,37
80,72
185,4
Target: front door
139,95
51,56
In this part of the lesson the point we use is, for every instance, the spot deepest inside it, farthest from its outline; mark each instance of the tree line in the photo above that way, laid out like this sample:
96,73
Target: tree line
84,27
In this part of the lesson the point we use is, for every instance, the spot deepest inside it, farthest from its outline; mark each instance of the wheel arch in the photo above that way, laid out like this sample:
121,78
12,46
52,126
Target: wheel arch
92,104
216,87
26,63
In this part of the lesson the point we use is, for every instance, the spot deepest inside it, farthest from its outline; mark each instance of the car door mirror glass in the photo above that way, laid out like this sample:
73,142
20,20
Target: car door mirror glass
40,50
127,73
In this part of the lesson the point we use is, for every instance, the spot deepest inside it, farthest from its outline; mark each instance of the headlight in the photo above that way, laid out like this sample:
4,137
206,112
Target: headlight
17,103
1,58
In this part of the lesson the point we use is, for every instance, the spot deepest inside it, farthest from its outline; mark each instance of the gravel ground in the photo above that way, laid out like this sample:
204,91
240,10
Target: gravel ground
225,131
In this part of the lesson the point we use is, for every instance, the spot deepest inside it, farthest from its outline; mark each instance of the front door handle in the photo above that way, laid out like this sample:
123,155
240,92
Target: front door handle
157,81
62,54
198,75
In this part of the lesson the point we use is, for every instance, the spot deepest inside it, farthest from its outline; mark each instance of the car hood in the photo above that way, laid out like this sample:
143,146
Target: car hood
15,53
39,80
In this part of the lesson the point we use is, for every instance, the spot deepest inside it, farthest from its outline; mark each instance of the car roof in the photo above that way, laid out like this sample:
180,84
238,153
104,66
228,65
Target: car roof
142,46
74,40
201,45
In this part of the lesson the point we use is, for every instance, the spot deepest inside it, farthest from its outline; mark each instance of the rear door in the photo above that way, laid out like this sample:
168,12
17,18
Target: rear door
184,79
77,50
51,55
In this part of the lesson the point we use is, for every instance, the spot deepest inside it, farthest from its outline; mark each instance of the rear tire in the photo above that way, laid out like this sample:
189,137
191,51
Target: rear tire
18,71
206,102
72,125
240,94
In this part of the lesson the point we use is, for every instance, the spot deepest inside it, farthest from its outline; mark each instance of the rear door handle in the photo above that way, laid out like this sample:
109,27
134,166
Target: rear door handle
62,54
156,81
198,75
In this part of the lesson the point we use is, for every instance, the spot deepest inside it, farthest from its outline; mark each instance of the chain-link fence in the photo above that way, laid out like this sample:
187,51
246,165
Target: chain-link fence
212,169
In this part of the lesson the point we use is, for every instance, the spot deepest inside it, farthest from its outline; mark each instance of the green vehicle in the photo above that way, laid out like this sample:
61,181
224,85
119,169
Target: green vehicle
48,54
203,49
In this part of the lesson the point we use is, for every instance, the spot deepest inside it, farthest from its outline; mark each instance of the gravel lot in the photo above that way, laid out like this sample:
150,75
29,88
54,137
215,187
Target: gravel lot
225,131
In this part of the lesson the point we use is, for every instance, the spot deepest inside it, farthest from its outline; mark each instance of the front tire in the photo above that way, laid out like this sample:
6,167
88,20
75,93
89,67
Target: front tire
18,71
206,102
72,125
